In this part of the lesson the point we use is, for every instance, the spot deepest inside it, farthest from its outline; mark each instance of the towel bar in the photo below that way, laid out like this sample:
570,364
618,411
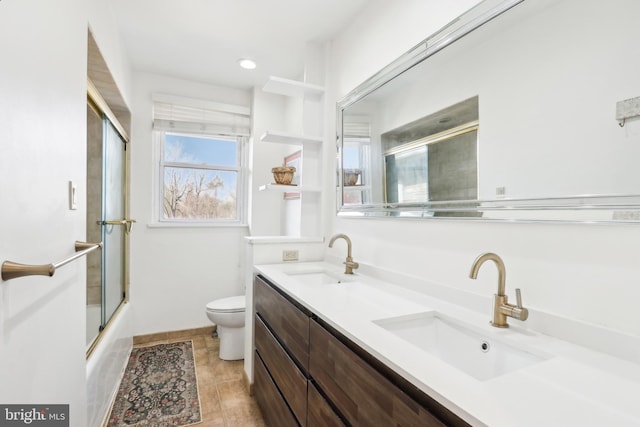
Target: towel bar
13,270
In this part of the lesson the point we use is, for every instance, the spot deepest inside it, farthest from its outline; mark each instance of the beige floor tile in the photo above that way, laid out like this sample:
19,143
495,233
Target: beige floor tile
209,402
218,422
233,394
248,415
214,358
228,370
205,375
201,356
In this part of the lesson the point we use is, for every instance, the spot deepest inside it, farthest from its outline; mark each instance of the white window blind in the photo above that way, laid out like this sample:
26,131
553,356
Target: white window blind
178,114
356,129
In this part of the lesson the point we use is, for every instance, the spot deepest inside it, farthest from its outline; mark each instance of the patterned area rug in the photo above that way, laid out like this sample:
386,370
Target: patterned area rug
159,388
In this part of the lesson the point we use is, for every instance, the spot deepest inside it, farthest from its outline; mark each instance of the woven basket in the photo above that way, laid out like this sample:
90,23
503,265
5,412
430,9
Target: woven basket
283,174
350,177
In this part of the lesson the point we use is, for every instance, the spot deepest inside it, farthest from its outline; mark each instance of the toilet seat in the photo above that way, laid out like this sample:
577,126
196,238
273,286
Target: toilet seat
228,305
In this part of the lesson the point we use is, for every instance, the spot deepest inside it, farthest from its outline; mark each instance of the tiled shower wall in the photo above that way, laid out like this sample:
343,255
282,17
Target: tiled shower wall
94,203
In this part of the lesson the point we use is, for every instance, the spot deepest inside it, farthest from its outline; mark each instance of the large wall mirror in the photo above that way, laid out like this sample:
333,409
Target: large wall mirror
514,111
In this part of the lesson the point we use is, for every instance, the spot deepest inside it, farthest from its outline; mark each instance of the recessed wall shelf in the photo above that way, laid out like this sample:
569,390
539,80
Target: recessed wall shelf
289,138
302,215
288,87
289,188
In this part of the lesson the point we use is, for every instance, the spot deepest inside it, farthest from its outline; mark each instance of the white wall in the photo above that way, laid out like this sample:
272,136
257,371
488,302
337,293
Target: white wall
384,31
175,272
102,22
291,221
42,135
583,272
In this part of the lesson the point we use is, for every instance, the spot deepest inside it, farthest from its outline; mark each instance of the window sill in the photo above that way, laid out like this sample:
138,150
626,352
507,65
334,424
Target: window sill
168,224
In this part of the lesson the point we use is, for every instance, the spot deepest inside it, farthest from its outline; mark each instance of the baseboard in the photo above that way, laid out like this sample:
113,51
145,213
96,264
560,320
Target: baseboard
247,383
172,335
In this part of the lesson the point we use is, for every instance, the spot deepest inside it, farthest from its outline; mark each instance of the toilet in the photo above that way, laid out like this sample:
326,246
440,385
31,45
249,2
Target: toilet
228,314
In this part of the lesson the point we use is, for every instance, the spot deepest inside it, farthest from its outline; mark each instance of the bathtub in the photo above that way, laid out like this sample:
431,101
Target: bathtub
106,365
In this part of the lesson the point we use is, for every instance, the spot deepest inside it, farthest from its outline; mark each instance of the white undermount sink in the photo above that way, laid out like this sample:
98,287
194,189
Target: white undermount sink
319,277
460,346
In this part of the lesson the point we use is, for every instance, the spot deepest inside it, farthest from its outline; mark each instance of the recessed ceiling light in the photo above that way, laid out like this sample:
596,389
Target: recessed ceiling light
247,63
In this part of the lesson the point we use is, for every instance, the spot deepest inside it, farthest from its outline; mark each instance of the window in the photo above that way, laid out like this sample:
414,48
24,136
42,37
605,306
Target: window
200,175
200,159
356,149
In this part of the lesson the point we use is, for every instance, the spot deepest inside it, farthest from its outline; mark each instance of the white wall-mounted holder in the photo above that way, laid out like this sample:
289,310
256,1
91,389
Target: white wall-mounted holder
73,196
627,109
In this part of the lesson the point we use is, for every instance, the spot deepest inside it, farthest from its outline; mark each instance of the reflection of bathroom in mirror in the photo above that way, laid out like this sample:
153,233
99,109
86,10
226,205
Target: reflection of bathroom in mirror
433,158
522,108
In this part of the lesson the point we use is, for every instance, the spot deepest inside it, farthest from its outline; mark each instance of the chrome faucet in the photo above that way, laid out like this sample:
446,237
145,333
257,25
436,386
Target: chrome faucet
501,308
350,265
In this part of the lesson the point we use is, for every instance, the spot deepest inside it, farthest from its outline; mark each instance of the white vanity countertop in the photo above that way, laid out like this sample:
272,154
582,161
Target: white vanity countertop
573,386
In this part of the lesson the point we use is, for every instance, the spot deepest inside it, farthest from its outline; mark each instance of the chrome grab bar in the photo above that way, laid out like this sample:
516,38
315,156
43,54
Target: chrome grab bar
13,270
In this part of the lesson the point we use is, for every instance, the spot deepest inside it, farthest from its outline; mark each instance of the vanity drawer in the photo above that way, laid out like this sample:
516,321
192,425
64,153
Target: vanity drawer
362,394
290,381
273,407
320,413
289,323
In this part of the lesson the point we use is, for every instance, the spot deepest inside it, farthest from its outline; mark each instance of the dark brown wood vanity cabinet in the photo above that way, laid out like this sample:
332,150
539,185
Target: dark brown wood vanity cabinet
361,393
274,409
282,351
308,374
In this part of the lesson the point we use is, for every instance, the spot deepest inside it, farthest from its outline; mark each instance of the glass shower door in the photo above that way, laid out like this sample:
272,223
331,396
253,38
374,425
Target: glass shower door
114,225
106,217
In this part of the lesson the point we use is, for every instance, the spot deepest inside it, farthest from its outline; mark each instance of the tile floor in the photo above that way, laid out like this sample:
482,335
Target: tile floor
224,397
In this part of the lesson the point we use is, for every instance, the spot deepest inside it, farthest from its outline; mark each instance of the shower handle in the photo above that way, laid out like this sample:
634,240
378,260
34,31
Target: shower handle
127,223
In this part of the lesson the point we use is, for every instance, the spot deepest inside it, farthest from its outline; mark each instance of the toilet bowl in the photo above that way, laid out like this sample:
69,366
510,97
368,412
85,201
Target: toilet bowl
228,315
